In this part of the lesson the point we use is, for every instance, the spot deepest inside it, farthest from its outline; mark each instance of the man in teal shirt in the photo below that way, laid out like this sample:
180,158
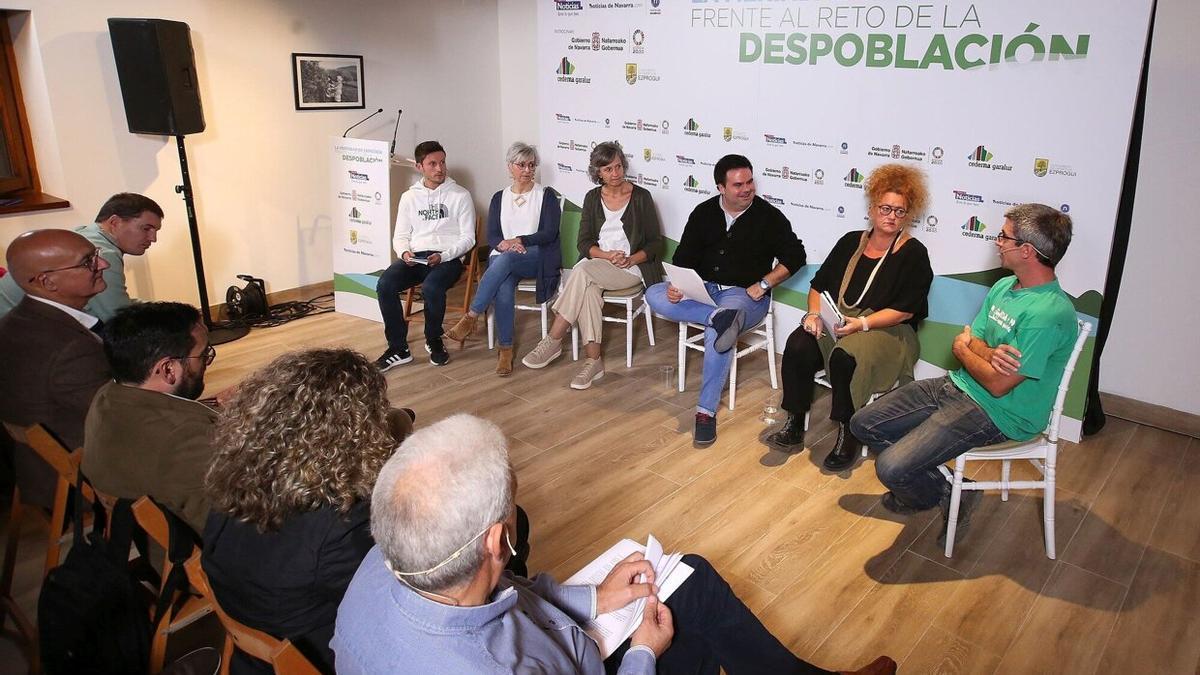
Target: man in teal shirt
1013,356
127,224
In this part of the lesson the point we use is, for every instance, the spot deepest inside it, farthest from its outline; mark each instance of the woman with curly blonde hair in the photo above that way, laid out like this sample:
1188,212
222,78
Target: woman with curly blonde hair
298,448
879,278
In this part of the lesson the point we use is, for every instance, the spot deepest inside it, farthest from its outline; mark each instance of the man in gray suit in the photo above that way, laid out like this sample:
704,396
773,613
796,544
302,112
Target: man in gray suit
53,360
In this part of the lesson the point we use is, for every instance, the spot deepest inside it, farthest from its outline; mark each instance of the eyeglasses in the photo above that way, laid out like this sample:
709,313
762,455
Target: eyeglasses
209,355
91,263
1005,237
525,166
888,209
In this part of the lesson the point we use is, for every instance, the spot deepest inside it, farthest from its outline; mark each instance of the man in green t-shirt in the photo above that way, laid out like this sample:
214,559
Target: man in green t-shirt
1013,356
127,224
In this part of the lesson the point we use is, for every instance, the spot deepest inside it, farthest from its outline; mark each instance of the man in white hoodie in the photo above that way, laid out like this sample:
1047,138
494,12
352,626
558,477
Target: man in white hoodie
435,228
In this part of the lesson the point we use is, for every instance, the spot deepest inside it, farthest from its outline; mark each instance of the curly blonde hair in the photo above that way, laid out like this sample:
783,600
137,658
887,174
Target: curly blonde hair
307,431
903,179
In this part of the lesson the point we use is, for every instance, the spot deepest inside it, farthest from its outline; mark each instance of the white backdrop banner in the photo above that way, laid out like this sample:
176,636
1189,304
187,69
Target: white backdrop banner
361,208
1000,103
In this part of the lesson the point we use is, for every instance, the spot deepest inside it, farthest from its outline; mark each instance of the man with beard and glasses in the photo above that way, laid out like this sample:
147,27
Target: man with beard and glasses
146,434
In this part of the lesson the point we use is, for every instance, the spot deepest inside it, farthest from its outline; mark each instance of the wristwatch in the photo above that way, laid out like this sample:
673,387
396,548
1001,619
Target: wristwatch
764,284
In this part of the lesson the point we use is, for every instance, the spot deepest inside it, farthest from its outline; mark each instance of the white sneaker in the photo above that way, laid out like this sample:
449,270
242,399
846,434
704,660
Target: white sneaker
593,369
546,351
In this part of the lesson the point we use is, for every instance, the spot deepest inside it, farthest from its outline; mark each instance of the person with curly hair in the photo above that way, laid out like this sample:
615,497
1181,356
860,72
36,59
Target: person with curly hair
298,448
880,279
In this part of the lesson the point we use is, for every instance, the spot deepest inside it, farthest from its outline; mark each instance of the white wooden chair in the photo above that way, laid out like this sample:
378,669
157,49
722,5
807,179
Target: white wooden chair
524,286
757,337
1041,451
627,297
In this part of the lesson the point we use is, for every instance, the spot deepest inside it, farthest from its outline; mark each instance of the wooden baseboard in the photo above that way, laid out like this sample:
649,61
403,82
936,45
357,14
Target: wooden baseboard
288,295
1151,415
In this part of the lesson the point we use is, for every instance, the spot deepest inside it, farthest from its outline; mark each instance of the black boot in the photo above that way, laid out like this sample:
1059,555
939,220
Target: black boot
790,436
845,452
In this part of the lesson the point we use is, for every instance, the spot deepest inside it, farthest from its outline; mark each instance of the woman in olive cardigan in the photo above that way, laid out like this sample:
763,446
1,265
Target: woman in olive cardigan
620,248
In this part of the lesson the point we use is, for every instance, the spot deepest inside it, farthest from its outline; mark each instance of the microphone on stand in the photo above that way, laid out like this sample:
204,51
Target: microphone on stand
361,121
392,152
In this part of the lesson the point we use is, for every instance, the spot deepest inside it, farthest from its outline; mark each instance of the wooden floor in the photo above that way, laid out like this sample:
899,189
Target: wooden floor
830,572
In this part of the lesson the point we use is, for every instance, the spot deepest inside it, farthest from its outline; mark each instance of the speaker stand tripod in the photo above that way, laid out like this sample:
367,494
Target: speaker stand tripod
218,332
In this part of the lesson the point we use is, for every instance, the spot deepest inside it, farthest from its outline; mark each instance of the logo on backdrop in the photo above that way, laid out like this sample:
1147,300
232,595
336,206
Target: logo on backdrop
693,185
963,197
354,237
819,177
935,155
982,159
931,222
853,179
359,177
568,7
355,213
845,148
772,139
566,73
974,228
1042,167
692,128
730,134
639,40
631,73
654,7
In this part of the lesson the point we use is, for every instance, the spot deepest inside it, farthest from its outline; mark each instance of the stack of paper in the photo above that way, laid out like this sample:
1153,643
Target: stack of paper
611,629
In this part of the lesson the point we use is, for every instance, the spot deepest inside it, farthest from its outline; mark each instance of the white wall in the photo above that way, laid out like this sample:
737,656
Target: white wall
260,169
1150,355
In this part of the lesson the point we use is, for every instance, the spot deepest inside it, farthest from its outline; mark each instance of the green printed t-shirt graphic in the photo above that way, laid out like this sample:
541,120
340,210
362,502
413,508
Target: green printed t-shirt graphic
1040,323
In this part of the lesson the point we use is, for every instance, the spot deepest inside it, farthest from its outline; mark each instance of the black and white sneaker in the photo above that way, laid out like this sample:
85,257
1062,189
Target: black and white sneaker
392,358
438,355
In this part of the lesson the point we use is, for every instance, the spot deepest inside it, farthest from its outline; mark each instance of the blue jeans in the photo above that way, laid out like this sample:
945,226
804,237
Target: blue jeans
400,277
499,286
716,366
917,428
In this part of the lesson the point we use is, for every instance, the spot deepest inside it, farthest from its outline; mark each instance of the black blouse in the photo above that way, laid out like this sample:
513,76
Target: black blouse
902,283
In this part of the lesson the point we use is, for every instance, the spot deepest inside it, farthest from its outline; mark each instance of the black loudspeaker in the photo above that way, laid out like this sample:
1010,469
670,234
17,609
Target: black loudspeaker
157,70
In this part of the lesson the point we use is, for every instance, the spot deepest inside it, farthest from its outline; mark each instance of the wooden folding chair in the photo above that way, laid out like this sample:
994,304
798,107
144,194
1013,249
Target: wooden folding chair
66,464
281,654
472,273
8,606
151,518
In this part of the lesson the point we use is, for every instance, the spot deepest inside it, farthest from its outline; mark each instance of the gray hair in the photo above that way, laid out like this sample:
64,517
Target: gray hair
444,485
1045,228
603,155
521,152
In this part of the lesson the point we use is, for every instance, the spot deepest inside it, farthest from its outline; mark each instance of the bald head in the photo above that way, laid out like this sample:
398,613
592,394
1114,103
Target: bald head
58,265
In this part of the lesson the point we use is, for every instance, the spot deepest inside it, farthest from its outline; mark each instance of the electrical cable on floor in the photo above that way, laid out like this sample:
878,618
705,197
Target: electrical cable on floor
285,312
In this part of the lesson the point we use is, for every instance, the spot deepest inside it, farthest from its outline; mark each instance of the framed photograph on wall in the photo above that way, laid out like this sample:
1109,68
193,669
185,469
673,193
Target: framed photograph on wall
328,81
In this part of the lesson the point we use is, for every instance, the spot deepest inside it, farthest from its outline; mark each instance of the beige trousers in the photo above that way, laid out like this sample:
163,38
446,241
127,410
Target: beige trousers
581,302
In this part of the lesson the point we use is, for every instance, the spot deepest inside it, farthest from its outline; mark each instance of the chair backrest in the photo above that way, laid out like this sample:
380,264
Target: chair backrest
281,653
1060,400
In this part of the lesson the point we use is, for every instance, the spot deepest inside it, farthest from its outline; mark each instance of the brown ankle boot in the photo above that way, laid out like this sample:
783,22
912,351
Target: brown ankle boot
504,364
461,330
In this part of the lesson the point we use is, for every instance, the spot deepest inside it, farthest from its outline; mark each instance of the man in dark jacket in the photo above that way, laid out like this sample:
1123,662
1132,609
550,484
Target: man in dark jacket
742,247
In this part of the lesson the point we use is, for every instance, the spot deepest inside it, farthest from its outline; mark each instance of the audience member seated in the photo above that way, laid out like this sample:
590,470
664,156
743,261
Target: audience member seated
432,596
879,278
620,246
435,228
522,229
146,434
127,224
53,361
1013,356
742,247
298,447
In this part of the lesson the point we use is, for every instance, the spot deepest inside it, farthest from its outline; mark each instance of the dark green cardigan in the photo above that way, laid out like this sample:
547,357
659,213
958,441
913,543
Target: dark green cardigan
641,227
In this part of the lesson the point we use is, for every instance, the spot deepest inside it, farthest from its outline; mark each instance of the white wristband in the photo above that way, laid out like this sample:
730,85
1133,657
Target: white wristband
865,326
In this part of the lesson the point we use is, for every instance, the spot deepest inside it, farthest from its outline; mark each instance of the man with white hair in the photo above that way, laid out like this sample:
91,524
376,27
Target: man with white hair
431,596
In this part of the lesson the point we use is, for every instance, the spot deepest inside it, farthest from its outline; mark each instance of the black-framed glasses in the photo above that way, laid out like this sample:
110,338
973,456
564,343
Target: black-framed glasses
209,355
1005,237
91,262
888,209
